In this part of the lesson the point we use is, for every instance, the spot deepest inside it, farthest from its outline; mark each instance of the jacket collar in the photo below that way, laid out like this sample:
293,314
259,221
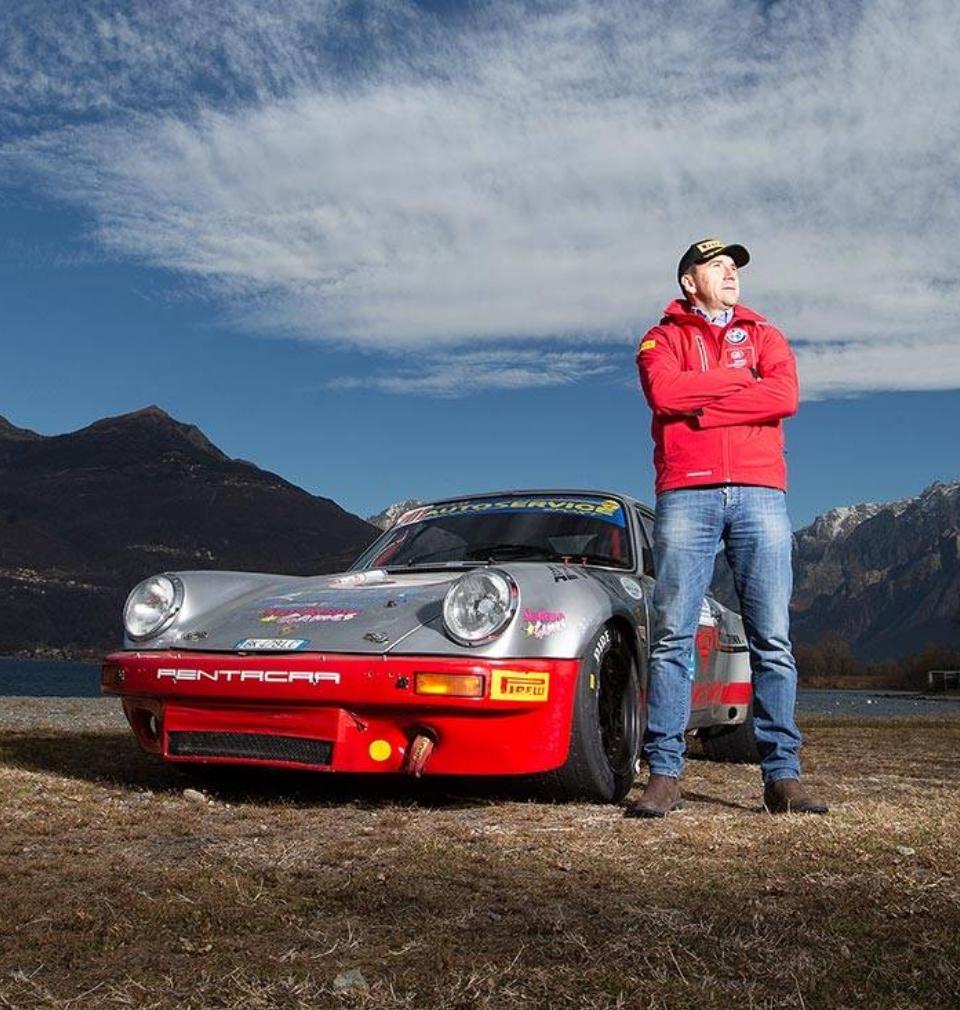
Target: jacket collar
679,311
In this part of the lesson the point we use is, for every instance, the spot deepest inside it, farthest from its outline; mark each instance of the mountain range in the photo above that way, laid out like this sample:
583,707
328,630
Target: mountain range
85,516
883,577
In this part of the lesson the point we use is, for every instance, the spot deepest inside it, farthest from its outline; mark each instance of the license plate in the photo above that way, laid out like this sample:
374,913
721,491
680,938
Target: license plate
272,644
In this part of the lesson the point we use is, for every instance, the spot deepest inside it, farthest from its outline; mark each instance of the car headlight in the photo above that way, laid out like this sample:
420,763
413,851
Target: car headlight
479,606
152,606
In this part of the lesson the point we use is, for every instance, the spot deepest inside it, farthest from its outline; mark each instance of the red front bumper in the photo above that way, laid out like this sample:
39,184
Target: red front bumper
345,713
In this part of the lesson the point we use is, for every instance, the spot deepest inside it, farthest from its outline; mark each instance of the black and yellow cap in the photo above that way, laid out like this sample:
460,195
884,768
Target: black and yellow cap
709,248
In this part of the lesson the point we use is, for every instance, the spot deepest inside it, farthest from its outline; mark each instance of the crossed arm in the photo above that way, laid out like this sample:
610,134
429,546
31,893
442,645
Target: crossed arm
722,396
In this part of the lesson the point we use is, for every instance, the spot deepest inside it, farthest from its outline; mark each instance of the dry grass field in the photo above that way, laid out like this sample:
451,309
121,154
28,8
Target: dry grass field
121,891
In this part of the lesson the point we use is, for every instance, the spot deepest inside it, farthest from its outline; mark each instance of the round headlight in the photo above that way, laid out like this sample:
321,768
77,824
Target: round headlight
152,606
479,606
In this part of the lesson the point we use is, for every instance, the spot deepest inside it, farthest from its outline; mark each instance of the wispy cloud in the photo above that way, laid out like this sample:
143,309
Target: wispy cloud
461,373
395,179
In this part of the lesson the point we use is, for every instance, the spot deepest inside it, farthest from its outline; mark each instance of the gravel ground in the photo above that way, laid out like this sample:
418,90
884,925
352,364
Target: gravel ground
76,714
129,885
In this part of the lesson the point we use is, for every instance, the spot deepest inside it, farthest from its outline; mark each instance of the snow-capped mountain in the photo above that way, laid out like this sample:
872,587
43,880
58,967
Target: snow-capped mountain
885,577
392,513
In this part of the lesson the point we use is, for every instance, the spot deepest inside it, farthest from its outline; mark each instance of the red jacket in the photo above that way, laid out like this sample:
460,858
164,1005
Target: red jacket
717,395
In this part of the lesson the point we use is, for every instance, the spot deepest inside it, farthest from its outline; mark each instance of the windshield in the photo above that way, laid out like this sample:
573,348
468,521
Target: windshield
581,529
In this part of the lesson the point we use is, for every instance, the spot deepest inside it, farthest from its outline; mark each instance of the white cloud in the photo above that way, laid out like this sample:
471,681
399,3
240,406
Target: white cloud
461,373
863,366
516,175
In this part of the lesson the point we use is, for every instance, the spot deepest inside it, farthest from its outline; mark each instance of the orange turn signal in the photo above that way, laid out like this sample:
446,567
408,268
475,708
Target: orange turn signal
450,685
110,676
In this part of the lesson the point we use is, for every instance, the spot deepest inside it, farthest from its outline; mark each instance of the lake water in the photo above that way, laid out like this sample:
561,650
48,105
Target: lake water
41,678
37,678
875,703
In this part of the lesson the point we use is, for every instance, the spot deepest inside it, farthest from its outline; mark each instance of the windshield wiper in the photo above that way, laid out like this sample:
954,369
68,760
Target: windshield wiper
433,564
594,559
504,551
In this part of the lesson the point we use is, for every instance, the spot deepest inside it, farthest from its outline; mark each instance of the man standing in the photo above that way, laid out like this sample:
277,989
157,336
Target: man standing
719,380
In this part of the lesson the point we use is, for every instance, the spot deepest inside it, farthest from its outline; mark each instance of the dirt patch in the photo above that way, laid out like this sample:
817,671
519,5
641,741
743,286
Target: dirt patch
305,891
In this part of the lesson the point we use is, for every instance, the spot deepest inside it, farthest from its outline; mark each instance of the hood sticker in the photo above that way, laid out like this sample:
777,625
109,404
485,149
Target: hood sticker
541,623
306,615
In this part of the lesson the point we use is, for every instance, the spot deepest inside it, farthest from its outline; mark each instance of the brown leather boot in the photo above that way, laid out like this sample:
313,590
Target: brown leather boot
787,796
660,795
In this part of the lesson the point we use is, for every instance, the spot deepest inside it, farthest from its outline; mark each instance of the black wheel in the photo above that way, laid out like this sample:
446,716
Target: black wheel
606,727
733,744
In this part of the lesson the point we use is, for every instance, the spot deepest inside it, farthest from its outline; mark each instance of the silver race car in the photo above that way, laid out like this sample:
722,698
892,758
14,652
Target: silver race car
495,634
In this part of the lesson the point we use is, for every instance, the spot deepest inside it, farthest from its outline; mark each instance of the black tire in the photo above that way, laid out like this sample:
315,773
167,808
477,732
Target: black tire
606,729
732,744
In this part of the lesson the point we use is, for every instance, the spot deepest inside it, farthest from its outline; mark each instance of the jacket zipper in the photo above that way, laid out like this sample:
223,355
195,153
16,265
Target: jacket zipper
724,435
704,365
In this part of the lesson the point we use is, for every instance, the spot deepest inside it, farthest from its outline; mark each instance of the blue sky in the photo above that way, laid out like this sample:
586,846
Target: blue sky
393,249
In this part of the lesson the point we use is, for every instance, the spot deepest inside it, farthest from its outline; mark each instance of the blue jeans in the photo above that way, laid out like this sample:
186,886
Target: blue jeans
753,525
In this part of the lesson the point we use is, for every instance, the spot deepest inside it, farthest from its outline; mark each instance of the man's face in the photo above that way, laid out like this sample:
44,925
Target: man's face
714,285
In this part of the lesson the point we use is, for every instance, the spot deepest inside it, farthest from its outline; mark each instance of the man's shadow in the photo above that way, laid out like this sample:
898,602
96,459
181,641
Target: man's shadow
113,760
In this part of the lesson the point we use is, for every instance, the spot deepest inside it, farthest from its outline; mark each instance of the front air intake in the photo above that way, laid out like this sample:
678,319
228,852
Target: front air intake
251,746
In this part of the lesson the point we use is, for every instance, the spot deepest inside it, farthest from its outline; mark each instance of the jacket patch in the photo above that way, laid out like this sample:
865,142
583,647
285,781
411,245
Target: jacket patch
648,345
739,357
736,336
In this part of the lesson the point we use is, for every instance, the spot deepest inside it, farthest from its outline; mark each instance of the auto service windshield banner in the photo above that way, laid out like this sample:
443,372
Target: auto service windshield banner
607,509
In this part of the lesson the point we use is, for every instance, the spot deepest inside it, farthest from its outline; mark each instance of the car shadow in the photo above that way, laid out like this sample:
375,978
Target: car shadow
113,760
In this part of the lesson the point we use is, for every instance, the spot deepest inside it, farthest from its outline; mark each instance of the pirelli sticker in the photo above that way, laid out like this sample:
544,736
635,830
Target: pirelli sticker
518,685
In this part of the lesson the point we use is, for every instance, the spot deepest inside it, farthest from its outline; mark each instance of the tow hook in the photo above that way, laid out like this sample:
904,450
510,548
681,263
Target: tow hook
419,751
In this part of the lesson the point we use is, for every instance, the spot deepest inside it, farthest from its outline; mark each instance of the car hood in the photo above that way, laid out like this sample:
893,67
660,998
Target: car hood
361,612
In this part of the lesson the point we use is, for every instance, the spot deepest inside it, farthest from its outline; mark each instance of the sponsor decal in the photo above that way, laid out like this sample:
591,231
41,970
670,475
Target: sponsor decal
736,336
739,357
248,676
562,573
598,508
631,587
289,616
516,685
272,644
709,245
648,345
602,642
541,623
